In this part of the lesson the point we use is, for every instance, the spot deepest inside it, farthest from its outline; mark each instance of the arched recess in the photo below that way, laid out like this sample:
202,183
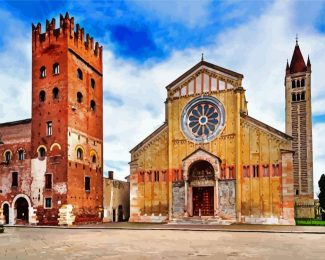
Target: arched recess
7,153
15,211
93,154
210,180
55,145
5,211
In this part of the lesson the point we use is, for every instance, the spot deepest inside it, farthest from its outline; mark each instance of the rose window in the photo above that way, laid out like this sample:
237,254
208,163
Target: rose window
203,119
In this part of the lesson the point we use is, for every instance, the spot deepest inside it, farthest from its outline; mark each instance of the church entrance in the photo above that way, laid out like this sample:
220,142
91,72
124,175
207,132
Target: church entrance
21,207
203,201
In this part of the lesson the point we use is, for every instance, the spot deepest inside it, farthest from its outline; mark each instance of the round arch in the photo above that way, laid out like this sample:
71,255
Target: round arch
55,145
13,213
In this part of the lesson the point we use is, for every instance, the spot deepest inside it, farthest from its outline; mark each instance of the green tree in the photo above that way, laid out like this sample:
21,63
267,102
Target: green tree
321,196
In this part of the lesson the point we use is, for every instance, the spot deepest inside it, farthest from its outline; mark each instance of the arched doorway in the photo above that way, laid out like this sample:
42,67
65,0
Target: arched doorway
120,213
202,182
21,209
6,212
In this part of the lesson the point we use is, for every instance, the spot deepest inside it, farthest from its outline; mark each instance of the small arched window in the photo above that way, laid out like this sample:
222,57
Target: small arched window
303,95
298,97
21,155
92,83
92,105
303,82
293,84
42,72
55,93
42,96
7,156
41,152
298,83
93,159
294,97
56,68
80,154
79,74
79,97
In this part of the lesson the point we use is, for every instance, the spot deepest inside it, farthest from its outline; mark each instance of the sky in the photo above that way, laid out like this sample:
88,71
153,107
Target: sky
148,44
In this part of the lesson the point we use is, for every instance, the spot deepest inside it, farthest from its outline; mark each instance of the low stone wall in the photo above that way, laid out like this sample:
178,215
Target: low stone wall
178,199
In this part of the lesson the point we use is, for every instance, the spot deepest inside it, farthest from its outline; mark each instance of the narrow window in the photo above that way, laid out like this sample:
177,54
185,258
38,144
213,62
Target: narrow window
156,176
92,83
8,156
48,181
48,203
79,97
298,97
94,159
92,105
55,93
41,152
56,69
49,128
141,176
303,96
231,172
149,176
42,96
298,83
276,170
163,175
14,182
266,171
255,171
303,82
42,72
21,155
294,97
79,154
223,172
293,84
79,74
297,192
87,184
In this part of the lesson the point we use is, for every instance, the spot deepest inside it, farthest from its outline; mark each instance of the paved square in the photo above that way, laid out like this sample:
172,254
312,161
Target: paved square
48,243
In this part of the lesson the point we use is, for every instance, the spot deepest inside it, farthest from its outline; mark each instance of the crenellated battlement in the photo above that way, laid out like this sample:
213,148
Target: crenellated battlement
67,29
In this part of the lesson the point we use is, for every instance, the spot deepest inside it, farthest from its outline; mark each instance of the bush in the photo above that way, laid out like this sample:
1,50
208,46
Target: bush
2,229
310,222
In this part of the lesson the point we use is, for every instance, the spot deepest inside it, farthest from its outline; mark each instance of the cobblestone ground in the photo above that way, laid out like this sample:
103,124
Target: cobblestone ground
45,243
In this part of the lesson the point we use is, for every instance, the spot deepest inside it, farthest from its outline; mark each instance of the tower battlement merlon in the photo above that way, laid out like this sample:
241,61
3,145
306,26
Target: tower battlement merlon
67,28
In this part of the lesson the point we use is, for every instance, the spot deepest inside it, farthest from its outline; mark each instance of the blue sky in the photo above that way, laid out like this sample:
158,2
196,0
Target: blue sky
147,44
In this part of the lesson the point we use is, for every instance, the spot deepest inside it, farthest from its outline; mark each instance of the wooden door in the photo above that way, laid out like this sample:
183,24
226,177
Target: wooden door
203,200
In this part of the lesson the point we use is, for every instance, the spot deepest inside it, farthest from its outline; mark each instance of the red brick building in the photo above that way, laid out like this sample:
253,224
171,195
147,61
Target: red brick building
52,165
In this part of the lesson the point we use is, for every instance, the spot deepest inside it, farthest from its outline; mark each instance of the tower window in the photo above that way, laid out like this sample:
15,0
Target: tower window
92,105
49,128
79,97
293,84
48,203
79,154
93,159
21,155
8,156
55,93
298,83
298,97
92,83
56,69
79,74
255,171
87,184
42,72
42,96
303,82
156,176
48,181
141,176
302,95
294,97
41,152
14,182
266,171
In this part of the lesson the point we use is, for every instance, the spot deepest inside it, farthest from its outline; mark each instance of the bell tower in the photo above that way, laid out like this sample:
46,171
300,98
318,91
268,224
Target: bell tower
299,122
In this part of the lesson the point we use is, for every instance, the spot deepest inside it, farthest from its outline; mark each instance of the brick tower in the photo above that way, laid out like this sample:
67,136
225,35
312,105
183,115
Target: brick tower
67,124
299,123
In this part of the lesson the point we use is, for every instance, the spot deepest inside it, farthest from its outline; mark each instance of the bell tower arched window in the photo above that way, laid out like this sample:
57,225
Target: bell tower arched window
80,154
56,68
79,97
42,96
42,72
55,93
92,105
293,84
79,74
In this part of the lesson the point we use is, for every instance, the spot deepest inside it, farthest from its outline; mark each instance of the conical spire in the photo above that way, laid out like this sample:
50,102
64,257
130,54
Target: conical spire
297,62
308,62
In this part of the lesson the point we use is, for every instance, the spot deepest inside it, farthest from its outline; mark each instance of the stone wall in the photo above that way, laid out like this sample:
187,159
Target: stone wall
178,199
227,197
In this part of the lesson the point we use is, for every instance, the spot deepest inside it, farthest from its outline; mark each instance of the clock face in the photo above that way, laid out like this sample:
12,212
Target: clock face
203,119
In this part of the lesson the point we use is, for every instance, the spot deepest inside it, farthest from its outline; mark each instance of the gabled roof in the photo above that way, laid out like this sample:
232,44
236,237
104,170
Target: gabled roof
207,64
297,62
201,149
19,122
148,138
265,126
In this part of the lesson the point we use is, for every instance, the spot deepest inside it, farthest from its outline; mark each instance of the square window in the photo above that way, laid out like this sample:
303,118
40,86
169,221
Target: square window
14,182
48,203
87,184
48,181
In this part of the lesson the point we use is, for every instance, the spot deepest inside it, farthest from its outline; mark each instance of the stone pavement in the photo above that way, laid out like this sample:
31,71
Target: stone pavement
107,243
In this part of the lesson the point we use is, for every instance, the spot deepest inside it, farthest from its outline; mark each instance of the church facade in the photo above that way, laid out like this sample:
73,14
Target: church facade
211,160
